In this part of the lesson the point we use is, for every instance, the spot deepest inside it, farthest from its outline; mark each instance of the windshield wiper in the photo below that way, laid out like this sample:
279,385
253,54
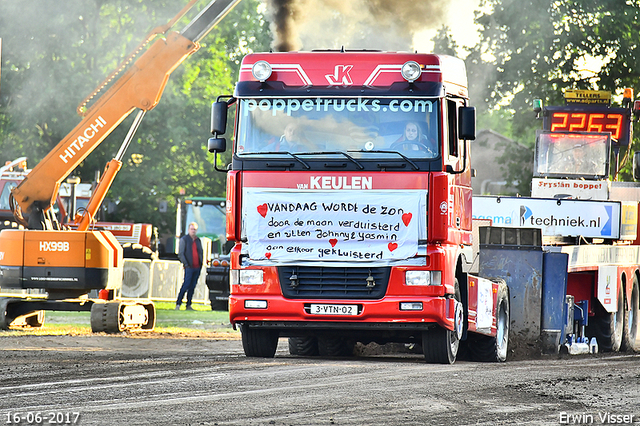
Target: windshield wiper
350,158
298,159
379,151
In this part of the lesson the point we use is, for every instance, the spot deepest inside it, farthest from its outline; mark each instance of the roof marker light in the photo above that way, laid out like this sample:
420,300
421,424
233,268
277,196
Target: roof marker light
261,70
537,106
411,71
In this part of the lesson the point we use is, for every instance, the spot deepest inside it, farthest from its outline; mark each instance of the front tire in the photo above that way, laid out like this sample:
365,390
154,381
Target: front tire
259,343
441,345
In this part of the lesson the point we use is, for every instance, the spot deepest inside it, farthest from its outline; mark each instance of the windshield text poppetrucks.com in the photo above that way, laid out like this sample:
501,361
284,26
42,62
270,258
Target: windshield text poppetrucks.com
289,106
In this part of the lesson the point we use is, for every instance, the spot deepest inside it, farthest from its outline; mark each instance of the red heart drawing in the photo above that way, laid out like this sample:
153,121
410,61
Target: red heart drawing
406,218
333,242
393,246
262,209
268,255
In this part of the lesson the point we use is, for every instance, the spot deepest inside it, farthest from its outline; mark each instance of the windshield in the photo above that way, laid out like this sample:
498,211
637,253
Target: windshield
81,205
209,217
6,192
572,154
409,126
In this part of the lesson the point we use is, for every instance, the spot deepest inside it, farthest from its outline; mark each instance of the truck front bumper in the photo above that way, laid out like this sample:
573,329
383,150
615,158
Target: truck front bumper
389,313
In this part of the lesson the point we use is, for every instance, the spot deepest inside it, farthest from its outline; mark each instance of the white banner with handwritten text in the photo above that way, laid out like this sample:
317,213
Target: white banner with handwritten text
333,225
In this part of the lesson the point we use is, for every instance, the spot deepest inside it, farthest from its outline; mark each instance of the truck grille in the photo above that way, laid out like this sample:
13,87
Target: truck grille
310,282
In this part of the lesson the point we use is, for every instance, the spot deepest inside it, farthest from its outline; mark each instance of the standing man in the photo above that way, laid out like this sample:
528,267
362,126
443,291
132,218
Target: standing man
190,254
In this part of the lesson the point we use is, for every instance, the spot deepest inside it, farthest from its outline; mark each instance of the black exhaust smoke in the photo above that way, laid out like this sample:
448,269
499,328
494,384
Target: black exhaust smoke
370,24
285,17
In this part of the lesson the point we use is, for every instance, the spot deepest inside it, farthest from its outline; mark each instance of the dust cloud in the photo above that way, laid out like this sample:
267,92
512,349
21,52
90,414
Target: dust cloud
354,24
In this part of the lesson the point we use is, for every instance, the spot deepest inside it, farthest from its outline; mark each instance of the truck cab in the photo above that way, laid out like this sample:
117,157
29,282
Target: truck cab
349,202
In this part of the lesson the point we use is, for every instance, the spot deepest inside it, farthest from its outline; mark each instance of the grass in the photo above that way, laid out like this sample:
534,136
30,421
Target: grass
201,322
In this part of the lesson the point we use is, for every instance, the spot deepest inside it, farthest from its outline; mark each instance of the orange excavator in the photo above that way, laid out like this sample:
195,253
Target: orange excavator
68,264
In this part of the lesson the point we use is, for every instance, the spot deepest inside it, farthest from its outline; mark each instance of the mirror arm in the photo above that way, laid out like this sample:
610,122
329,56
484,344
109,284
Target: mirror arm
215,163
449,168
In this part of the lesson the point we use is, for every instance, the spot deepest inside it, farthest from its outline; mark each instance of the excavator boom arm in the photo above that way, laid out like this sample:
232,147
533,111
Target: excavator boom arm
140,86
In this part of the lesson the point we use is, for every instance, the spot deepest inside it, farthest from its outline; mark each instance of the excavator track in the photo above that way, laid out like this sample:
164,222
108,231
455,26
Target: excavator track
118,316
12,318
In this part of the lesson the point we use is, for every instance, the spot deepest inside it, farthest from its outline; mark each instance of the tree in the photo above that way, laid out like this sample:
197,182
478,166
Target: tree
443,42
538,48
171,145
53,56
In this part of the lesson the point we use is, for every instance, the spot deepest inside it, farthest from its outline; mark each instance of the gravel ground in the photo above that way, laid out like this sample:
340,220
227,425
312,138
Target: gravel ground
172,379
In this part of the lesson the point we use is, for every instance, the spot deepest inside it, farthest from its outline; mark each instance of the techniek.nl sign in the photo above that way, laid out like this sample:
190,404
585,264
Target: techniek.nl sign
332,225
591,219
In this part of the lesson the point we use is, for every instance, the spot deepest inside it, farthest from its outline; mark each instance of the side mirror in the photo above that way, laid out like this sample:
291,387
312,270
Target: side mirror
217,144
467,123
219,118
636,165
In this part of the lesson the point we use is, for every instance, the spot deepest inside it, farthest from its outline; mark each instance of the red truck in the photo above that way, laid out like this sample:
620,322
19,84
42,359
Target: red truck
349,202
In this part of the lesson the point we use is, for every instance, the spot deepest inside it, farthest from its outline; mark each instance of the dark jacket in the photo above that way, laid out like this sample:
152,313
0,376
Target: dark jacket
185,251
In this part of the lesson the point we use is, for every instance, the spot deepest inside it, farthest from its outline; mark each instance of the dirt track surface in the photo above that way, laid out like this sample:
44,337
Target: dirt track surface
162,381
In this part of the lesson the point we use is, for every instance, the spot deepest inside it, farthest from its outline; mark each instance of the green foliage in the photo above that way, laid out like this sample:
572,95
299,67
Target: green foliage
54,55
444,44
537,48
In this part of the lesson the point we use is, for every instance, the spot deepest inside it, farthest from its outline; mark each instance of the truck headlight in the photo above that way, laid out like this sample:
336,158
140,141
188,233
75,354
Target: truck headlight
411,71
261,70
251,277
423,277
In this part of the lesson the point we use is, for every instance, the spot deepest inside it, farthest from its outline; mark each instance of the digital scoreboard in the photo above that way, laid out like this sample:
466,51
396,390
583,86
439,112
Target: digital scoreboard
592,118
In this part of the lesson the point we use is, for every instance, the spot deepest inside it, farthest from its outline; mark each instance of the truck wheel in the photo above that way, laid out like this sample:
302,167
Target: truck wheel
607,327
494,348
630,333
303,346
335,346
259,343
441,345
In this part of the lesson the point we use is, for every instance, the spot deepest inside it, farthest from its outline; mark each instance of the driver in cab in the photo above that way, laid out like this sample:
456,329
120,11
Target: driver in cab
293,140
413,139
